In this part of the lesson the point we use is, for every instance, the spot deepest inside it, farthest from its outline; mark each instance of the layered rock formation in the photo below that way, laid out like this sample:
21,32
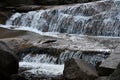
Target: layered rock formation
55,50
42,55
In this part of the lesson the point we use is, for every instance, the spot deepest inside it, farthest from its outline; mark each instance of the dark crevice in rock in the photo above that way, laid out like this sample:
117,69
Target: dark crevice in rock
105,71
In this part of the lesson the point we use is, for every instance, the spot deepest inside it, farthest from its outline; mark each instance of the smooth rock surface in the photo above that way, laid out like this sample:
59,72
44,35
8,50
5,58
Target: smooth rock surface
8,65
3,17
110,64
76,69
116,74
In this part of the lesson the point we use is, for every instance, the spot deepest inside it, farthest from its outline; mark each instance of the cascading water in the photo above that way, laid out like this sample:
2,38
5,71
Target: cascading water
100,18
92,57
41,62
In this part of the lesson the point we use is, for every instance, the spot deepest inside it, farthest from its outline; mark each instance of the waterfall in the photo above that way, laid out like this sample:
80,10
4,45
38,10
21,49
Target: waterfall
95,18
101,18
44,64
59,57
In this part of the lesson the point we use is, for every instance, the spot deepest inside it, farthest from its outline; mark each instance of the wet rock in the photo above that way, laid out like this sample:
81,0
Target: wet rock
7,33
110,64
3,17
59,77
16,3
26,8
31,76
76,69
17,77
116,74
22,69
8,65
59,2
37,50
104,71
102,78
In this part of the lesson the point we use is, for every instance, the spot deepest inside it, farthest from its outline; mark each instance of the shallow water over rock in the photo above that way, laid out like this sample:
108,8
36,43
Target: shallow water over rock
95,18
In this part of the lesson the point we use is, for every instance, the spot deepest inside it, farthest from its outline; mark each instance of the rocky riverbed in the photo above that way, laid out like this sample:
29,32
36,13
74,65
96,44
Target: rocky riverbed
49,53
66,42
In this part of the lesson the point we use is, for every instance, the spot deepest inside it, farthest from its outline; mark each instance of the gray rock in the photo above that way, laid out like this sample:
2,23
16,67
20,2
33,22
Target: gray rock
110,64
8,65
76,69
116,74
102,78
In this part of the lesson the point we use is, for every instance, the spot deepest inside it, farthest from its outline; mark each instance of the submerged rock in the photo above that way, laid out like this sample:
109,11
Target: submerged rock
8,65
76,69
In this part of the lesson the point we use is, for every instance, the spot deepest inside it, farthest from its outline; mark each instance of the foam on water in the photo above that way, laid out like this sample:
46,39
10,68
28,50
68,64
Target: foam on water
43,68
39,58
54,34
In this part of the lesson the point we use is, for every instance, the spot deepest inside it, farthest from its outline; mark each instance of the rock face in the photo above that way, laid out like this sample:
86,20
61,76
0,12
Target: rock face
44,2
3,17
109,65
102,78
88,48
116,74
76,69
15,3
54,2
8,65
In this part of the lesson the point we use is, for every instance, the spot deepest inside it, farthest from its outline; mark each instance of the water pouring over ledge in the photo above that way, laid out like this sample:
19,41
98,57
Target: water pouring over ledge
99,19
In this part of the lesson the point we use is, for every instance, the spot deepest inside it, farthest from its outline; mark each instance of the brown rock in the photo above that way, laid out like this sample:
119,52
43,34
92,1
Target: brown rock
8,65
17,77
76,69
102,78
16,2
3,17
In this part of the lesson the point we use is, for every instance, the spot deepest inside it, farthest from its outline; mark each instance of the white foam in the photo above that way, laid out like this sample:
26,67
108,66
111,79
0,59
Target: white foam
43,68
54,34
43,58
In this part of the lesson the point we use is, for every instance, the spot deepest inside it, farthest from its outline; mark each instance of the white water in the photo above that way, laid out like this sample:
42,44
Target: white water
72,19
96,18
41,64
39,58
43,68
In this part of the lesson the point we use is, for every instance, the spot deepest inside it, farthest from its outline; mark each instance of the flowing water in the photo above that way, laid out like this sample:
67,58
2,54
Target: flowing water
96,18
101,18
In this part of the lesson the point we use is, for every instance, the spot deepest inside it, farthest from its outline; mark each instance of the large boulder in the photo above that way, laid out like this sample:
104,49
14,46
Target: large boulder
116,74
110,64
8,65
76,69
3,17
